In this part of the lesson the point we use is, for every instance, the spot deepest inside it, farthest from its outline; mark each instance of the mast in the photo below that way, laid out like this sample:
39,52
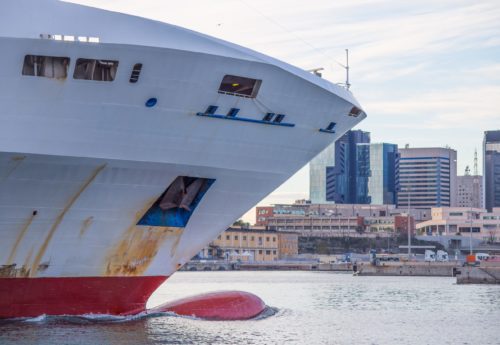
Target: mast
347,84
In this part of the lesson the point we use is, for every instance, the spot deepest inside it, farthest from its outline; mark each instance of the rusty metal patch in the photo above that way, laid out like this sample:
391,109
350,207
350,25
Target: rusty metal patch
138,247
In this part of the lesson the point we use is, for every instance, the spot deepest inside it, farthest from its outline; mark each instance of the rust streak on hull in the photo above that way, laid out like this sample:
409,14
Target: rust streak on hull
174,246
28,259
85,225
60,217
19,238
18,160
138,247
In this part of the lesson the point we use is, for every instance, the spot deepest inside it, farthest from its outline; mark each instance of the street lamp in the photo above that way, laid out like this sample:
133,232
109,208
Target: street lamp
470,230
409,231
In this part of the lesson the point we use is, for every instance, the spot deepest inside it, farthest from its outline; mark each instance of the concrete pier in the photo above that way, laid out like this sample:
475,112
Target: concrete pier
483,274
429,269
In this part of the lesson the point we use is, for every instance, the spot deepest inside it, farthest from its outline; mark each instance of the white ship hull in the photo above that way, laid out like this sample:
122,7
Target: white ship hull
81,162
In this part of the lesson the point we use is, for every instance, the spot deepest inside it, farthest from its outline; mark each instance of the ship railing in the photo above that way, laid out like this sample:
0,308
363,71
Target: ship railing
70,38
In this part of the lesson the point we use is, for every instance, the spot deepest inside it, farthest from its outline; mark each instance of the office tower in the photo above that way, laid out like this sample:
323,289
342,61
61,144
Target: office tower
491,171
376,173
426,177
333,173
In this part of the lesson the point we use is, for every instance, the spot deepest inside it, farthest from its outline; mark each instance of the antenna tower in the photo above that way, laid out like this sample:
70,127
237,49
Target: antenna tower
347,84
476,173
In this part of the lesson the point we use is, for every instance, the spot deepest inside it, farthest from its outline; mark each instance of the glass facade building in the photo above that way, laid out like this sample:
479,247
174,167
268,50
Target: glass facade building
333,173
491,169
377,173
318,168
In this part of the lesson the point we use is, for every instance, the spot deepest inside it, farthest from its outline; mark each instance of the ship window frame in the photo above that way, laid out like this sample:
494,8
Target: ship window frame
136,73
239,86
93,74
39,69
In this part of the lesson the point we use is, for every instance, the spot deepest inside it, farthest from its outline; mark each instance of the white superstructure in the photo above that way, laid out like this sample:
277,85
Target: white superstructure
101,112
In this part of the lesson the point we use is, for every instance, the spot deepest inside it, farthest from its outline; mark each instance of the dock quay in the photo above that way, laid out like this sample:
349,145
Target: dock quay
427,269
210,265
485,273
221,265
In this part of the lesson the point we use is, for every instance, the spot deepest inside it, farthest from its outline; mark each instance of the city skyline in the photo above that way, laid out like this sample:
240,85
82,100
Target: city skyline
426,73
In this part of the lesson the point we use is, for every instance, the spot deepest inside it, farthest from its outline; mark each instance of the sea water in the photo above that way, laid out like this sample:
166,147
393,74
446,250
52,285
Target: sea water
305,308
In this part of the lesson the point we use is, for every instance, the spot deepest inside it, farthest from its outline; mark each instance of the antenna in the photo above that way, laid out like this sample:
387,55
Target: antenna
347,84
476,173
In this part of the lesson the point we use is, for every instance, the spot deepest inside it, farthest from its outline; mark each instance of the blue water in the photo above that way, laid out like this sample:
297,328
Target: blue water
311,308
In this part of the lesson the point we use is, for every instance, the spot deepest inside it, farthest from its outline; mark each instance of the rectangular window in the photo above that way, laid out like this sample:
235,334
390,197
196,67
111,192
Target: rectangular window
260,251
268,252
46,66
236,238
252,238
274,239
274,252
99,70
244,238
136,72
267,239
228,238
239,86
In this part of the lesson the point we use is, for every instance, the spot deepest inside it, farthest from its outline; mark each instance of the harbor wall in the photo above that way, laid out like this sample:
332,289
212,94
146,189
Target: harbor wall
428,269
483,274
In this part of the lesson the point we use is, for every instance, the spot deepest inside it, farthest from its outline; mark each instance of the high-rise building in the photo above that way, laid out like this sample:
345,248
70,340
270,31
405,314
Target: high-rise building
470,191
491,171
426,177
317,174
376,173
333,173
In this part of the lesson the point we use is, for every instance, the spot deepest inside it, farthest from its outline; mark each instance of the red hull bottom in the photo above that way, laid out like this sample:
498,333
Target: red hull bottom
222,305
29,297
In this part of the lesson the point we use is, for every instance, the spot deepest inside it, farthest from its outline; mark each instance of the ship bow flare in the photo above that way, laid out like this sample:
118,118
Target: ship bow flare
127,145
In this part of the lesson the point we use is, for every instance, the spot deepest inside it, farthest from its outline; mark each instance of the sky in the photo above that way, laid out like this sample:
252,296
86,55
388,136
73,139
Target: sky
426,72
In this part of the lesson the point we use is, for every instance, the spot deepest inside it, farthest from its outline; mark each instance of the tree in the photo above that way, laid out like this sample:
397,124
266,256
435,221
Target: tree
242,224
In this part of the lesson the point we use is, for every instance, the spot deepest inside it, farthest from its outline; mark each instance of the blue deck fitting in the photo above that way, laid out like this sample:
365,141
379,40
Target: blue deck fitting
329,128
210,112
326,131
268,117
233,112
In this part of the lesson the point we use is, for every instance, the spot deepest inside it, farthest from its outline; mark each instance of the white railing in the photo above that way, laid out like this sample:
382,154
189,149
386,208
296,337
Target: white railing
70,38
